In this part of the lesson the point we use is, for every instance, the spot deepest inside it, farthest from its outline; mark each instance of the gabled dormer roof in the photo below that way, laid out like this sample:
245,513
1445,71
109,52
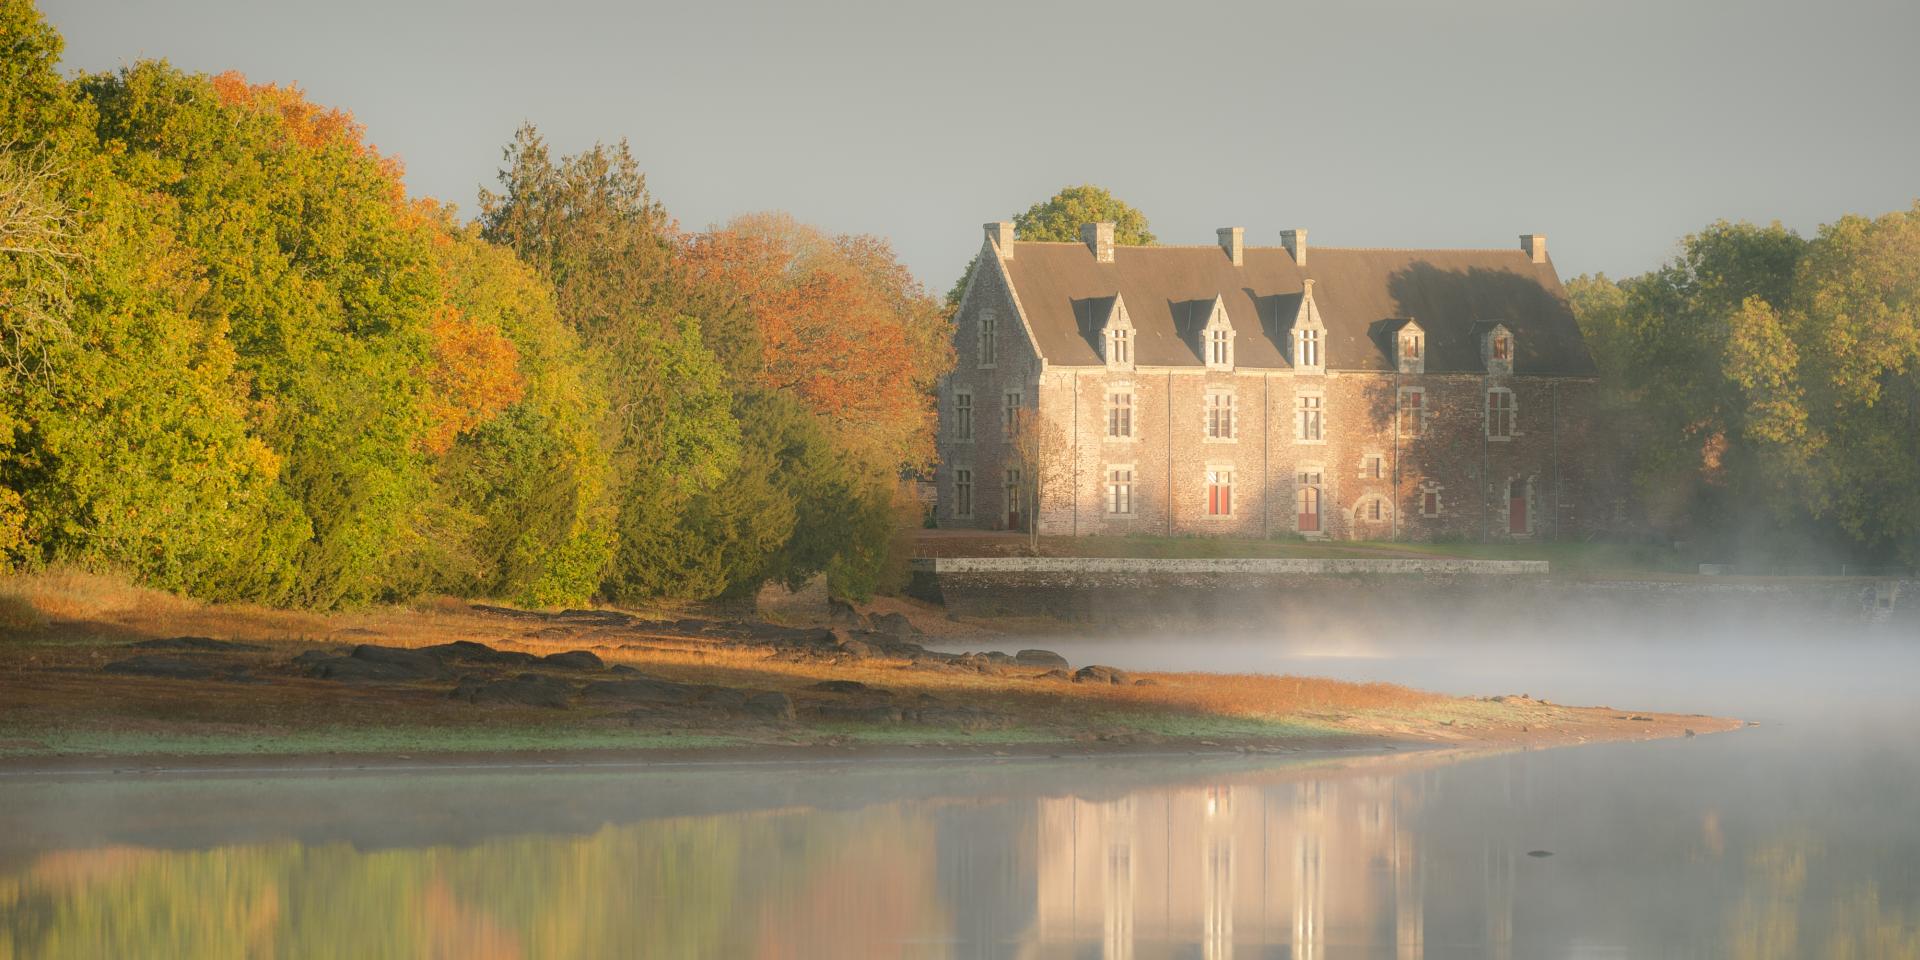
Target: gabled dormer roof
1306,314
1386,333
1096,315
1192,319
1059,284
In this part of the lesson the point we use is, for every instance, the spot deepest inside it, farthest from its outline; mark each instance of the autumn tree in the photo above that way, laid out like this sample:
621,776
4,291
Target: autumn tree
523,500
837,322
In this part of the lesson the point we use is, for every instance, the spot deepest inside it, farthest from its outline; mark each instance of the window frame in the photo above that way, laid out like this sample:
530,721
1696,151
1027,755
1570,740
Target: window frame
1509,412
1011,402
987,349
962,416
963,498
1419,409
1430,494
1310,476
1219,485
1309,349
1119,491
1318,410
1120,346
1115,411
1220,416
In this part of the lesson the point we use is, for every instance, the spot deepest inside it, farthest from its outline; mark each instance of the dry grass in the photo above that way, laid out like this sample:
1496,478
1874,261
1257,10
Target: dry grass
75,595
65,626
1261,696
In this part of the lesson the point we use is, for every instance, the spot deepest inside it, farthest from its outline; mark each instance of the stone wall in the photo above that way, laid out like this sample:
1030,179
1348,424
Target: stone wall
1437,598
987,456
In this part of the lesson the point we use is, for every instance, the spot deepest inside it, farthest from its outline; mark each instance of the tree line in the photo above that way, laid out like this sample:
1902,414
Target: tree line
1763,388
241,362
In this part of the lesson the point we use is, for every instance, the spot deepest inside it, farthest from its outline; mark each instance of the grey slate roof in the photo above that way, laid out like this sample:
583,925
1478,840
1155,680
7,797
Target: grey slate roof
1066,295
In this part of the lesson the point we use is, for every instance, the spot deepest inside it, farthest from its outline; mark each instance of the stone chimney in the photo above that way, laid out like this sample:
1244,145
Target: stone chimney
1000,233
1099,238
1233,241
1535,244
1296,243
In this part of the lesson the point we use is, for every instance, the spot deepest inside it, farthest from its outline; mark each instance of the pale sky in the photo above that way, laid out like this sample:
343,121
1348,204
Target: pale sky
1613,127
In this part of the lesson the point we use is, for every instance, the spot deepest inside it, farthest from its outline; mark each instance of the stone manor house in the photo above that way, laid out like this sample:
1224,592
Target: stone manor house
1259,391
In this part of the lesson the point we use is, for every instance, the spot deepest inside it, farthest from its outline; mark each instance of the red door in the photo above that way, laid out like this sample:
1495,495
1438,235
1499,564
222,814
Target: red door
1517,507
1309,509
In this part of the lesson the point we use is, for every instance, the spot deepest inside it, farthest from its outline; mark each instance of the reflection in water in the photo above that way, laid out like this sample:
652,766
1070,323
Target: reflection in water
1796,839
1231,866
1407,858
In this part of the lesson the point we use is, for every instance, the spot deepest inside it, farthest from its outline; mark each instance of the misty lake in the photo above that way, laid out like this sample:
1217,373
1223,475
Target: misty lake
1796,837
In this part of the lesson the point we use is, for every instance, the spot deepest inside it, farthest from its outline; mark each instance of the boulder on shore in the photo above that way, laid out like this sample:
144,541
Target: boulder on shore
853,713
370,662
574,660
529,689
641,689
196,643
894,625
842,614
171,668
467,651
1096,673
1040,658
842,686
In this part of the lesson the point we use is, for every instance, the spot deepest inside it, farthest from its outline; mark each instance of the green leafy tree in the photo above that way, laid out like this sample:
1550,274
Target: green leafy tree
1855,320
324,280
588,225
124,437
523,503
1059,218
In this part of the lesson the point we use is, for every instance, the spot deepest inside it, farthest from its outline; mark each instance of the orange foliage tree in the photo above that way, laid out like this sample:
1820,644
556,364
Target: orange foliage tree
838,323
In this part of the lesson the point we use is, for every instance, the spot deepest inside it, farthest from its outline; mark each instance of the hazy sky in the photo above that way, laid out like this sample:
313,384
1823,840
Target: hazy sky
1613,127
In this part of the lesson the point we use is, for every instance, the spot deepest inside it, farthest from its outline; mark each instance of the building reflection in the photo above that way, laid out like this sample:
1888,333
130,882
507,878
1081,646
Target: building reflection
1303,870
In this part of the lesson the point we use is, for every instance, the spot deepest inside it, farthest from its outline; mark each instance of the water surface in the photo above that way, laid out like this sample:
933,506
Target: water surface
1799,837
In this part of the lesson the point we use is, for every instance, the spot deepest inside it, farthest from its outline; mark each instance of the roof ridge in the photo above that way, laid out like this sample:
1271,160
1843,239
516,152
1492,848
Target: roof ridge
1323,247
1315,247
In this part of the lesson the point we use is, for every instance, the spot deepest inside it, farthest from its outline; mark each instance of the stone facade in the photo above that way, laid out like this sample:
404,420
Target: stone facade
1253,440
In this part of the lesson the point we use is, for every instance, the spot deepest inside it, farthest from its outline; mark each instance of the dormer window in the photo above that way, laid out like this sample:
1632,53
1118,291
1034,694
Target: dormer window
1498,350
1216,338
1410,348
1309,334
1116,336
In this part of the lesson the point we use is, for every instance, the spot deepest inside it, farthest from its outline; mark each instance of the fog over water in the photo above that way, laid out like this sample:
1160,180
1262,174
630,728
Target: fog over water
1798,837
